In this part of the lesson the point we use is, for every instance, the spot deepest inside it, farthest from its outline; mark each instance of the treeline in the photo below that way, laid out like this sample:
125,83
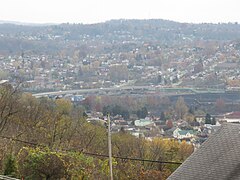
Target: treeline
51,139
132,107
127,104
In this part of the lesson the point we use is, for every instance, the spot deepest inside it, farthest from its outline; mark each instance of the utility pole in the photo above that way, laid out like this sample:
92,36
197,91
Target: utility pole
110,147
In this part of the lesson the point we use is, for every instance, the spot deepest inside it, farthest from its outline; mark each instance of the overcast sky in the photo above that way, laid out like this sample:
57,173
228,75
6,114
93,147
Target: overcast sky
92,11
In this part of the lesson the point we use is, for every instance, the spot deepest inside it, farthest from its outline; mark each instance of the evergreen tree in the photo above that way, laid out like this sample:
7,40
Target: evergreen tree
213,121
142,113
208,119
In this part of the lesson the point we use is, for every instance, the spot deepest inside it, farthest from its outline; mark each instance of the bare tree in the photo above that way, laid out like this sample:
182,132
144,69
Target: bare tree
181,108
9,98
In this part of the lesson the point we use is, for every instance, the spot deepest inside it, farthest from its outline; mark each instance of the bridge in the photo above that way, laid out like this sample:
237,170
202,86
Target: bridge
94,90
137,89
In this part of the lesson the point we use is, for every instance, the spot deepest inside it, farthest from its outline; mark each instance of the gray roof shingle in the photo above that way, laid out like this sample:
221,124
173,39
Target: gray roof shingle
218,158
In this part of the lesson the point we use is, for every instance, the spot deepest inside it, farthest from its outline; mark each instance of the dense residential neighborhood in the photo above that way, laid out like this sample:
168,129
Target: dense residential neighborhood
195,132
90,60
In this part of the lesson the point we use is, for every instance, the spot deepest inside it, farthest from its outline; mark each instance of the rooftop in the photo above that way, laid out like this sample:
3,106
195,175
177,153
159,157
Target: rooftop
143,122
217,158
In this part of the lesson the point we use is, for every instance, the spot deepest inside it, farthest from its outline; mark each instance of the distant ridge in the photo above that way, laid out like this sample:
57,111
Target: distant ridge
112,21
26,24
16,37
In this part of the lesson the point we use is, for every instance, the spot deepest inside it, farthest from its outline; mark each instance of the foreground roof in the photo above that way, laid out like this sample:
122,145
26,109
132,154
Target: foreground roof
217,158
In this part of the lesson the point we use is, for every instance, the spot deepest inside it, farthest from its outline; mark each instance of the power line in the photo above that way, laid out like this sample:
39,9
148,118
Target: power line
100,155
133,159
18,140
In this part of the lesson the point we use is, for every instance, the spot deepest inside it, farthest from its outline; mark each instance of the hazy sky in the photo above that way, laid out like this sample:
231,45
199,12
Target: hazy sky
92,11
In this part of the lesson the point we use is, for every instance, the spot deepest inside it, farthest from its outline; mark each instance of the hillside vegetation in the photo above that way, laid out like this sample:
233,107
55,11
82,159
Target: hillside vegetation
51,139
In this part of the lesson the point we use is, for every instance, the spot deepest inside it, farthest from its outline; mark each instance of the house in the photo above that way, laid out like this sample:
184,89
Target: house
144,123
183,124
121,123
217,158
195,124
174,131
169,132
232,117
137,134
77,98
209,129
183,134
200,118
